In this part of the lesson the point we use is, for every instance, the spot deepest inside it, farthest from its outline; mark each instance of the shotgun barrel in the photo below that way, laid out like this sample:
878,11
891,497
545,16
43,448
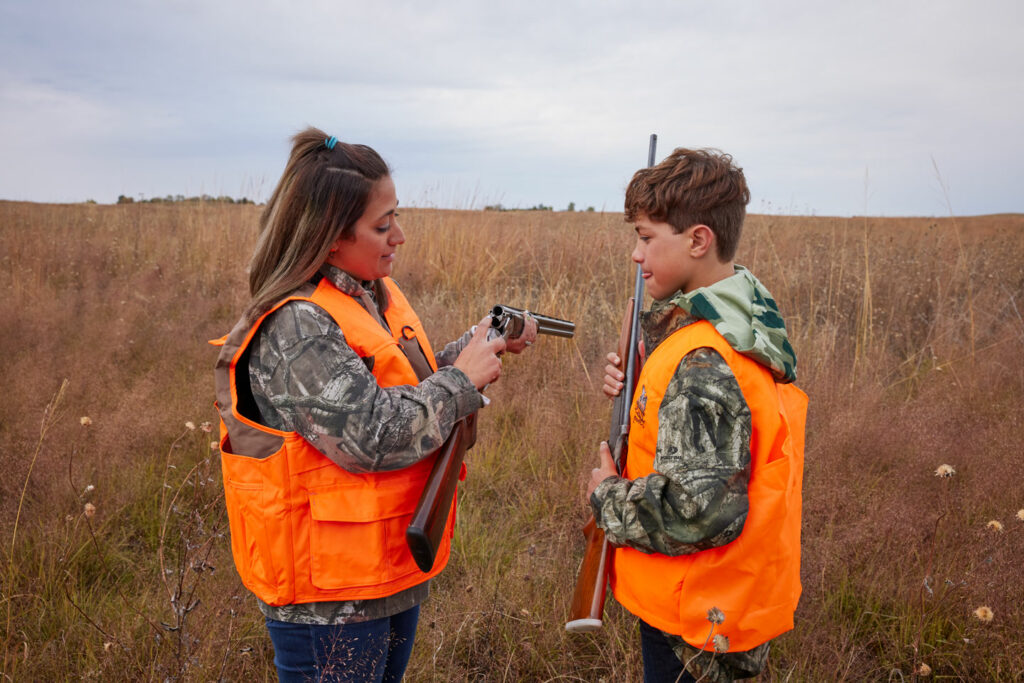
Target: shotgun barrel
509,321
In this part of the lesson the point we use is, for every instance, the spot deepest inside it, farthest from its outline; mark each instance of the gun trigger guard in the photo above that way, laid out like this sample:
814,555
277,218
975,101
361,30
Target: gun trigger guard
408,333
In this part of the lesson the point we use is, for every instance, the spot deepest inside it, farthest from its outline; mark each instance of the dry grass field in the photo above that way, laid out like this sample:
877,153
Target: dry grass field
114,556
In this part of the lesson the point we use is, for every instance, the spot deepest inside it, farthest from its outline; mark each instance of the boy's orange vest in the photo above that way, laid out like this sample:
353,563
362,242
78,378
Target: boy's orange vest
755,580
302,528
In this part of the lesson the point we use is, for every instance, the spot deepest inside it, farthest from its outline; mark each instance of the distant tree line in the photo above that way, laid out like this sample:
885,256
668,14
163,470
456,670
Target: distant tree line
538,207
499,207
182,199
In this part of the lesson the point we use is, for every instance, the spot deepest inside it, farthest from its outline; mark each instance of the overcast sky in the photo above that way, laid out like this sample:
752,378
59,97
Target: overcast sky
832,108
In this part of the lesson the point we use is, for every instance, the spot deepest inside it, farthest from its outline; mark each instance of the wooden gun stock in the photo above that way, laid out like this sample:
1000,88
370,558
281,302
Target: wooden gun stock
431,515
587,609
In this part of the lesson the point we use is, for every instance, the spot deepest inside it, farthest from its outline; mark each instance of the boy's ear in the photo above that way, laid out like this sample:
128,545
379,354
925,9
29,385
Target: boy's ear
703,239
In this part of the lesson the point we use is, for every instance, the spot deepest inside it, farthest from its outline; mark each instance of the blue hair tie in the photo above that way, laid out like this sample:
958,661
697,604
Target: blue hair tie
331,142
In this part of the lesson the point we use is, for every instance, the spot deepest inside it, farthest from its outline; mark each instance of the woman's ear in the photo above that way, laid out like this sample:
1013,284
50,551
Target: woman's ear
333,252
702,239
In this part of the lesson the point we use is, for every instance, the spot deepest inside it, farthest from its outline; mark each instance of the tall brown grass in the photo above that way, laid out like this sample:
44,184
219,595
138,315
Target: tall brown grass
909,334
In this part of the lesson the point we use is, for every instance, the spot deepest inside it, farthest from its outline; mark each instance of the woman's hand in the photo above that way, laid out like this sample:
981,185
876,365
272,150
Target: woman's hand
479,360
529,335
613,376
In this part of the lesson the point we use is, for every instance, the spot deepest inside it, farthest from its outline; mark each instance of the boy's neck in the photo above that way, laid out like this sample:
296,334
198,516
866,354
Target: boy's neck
711,272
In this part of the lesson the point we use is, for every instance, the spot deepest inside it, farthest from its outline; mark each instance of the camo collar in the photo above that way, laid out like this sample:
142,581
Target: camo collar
342,280
744,312
664,318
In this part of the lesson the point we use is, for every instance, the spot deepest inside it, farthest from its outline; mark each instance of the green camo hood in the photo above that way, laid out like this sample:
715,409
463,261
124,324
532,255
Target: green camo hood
744,312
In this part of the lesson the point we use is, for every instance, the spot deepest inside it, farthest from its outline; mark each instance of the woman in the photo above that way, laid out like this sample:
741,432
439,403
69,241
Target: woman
331,400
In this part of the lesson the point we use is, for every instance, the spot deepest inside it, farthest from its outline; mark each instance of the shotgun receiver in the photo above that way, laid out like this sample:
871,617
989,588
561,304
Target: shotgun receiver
587,610
430,518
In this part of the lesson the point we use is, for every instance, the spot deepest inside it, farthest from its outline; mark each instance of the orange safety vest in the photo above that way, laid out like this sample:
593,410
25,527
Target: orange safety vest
755,580
302,528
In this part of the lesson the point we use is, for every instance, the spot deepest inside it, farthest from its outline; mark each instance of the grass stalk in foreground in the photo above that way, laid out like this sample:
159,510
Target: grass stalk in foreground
50,416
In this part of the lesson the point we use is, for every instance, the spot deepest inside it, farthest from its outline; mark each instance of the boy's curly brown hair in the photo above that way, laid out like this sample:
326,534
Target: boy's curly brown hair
691,187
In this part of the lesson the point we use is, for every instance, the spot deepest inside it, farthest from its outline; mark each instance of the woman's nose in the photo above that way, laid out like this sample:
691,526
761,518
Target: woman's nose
397,235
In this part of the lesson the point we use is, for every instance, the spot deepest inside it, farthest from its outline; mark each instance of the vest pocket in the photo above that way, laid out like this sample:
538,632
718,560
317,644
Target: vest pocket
249,543
357,536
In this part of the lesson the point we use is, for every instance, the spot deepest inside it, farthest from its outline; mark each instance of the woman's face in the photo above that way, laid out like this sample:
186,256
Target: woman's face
370,252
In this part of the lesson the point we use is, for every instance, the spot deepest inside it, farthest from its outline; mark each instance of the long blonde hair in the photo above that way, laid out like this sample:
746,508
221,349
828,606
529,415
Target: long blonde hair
322,193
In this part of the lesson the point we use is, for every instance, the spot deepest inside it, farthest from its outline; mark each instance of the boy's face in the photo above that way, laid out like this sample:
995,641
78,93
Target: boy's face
664,257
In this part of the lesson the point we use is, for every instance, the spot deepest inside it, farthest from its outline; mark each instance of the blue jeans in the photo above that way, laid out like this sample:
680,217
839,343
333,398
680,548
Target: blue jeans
660,662
375,650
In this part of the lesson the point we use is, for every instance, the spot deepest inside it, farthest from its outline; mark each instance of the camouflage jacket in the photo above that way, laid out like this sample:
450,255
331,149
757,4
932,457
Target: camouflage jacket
696,498
306,378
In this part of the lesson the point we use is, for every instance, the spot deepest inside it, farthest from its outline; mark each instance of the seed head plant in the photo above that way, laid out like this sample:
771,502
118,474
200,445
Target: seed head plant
984,614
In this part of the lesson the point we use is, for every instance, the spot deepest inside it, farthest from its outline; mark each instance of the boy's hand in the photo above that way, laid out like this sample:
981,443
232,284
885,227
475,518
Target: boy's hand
613,376
607,469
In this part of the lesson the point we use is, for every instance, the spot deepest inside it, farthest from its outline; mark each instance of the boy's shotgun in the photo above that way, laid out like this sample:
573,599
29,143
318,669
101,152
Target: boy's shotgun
587,610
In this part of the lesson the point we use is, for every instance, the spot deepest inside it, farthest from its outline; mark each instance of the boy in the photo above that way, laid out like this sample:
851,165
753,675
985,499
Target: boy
706,514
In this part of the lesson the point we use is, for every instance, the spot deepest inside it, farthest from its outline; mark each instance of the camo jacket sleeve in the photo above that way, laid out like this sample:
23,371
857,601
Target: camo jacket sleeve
697,496
306,378
452,349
